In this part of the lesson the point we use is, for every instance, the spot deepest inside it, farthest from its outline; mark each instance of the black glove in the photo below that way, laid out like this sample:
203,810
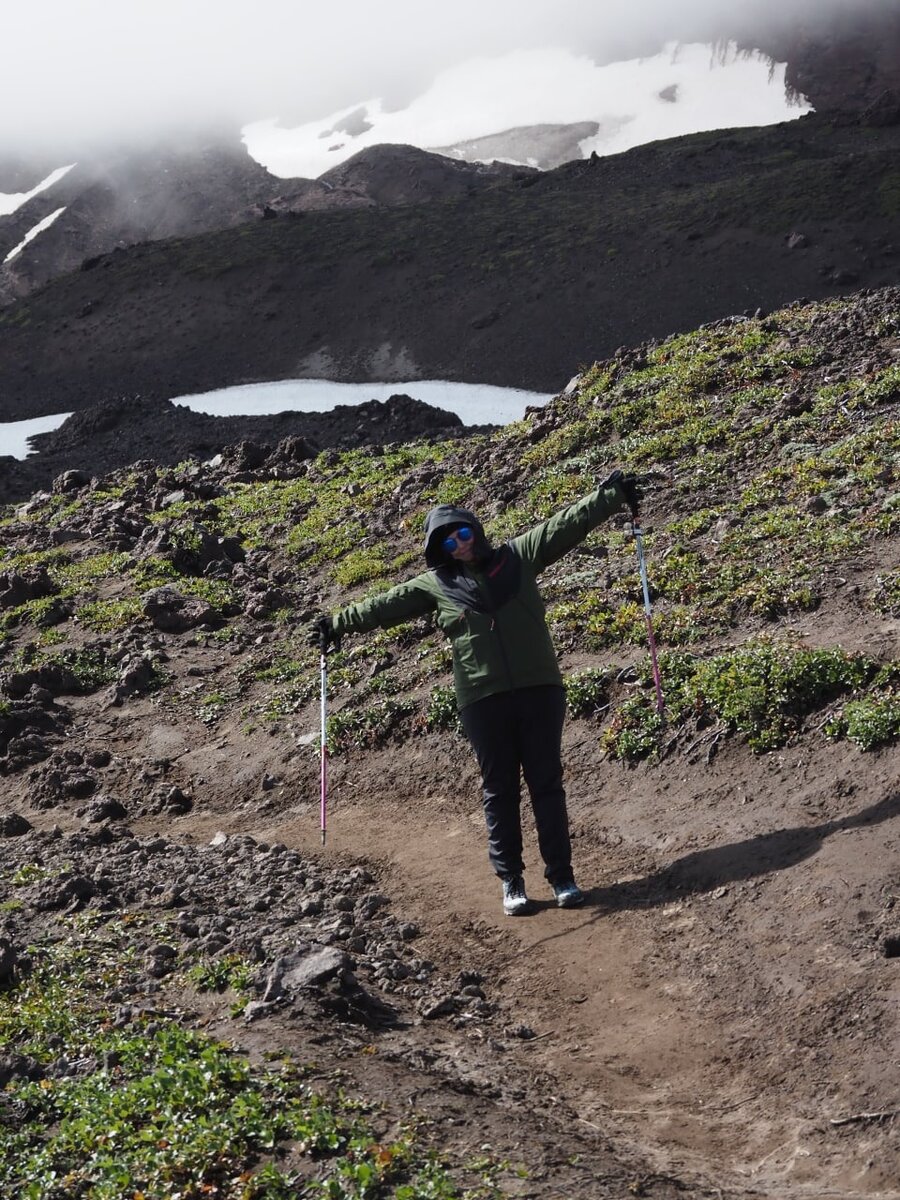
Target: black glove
631,487
321,634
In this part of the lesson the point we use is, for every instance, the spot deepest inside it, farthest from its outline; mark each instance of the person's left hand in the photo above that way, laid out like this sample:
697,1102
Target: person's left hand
631,487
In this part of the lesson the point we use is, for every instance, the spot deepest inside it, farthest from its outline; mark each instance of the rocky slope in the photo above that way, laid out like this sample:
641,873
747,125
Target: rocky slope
843,59
111,435
116,200
719,1020
511,285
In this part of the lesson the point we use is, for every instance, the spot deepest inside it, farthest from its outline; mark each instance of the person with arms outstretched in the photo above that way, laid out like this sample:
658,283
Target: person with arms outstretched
508,685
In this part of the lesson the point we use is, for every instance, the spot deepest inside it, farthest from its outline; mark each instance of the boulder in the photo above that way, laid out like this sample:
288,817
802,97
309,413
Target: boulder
168,610
70,481
18,1066
309,966
105,808
13,825
19,587
54,678
71,894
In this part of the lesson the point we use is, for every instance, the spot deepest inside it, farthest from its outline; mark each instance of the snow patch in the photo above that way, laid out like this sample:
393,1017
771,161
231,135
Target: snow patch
14,435
630,101
32,233
474,404
10,201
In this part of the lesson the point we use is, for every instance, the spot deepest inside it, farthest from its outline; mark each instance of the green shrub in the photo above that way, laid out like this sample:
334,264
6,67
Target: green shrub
219,974
869,722
363,728
441,712
886,597
587,692
762,690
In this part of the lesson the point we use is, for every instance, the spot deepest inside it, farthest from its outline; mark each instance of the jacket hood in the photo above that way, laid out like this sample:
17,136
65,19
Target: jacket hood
436,524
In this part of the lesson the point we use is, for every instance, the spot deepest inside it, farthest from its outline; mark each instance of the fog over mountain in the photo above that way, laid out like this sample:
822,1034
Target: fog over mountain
543,107
87,72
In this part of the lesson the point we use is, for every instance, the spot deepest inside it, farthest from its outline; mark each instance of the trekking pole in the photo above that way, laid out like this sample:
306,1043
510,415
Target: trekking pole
323,812
648,611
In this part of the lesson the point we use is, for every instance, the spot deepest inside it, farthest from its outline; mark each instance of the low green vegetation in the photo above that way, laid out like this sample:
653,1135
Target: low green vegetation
763,690
870,722
886,598
771,473
155,1109
587,692
229,971
363,728
441,712
110,616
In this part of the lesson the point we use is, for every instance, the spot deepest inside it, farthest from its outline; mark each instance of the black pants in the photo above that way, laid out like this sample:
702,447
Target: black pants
515,732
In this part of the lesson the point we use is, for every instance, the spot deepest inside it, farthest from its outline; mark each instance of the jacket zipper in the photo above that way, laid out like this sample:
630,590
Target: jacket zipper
495,629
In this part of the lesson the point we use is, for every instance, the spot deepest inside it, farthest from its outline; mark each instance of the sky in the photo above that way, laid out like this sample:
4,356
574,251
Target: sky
91,70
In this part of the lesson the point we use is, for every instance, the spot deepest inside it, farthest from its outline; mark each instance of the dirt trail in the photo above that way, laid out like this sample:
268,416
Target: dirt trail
723,996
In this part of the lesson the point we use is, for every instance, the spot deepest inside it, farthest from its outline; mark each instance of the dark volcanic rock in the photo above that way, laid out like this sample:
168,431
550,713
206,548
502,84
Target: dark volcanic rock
9,957
691,229
397,174
132,429
18,1066
184,189
13,825
198,187
18,588
306,967
53,677
171,612
24,727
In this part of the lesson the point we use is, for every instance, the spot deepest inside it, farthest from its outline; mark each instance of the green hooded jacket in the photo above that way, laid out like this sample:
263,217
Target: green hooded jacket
492,612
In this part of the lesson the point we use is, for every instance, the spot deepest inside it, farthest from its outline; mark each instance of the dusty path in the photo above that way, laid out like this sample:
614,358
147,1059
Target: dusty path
724,995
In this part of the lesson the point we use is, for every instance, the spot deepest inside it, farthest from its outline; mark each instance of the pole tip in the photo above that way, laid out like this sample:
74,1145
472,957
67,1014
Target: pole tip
323,837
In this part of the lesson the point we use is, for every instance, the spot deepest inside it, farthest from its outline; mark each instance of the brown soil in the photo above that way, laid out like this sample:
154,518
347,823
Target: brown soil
724,1001
720,1019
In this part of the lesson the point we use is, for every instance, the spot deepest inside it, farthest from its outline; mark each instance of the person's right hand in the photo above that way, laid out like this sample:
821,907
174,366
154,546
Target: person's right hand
321,634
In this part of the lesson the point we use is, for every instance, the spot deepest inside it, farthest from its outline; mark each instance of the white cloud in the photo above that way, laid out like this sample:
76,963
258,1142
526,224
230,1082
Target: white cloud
77,68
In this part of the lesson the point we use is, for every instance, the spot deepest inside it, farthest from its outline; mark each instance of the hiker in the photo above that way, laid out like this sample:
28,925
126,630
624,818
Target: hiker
509,689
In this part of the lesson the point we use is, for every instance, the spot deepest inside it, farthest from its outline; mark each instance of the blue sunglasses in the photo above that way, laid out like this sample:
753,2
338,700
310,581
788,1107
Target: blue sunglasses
459,537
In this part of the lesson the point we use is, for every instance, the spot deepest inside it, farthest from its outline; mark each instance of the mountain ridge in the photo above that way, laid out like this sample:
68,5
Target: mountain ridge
511,285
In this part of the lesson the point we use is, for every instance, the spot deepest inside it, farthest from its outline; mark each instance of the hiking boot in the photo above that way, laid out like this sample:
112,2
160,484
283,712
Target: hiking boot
568,894
515,902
